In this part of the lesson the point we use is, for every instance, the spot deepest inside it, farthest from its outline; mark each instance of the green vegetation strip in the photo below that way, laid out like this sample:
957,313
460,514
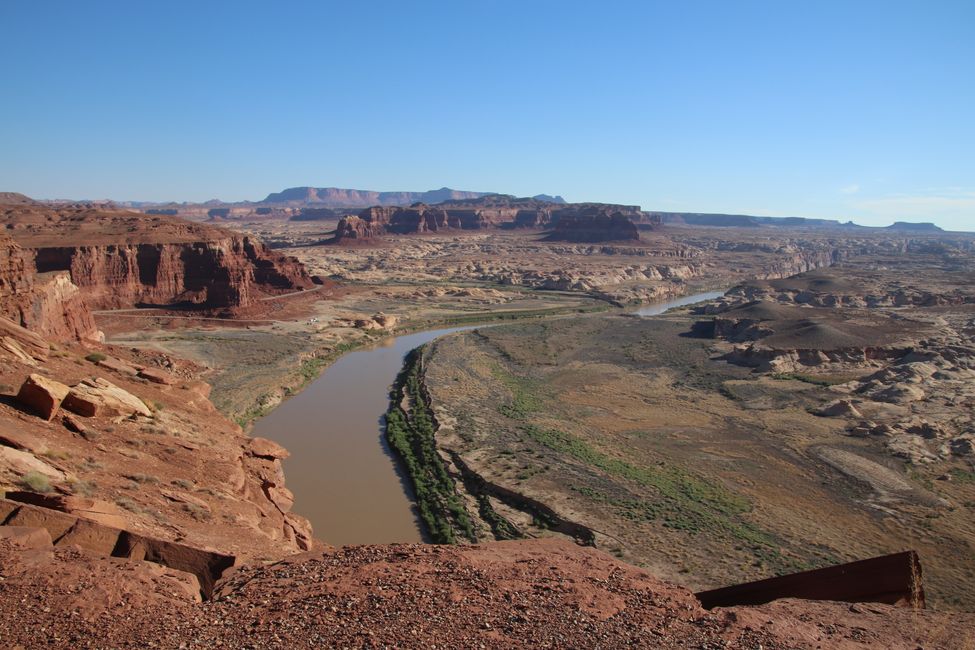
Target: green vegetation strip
411,436
685,502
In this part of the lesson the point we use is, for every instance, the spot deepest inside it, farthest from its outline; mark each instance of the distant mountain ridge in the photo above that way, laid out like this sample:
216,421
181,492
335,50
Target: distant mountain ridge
338,197
751,221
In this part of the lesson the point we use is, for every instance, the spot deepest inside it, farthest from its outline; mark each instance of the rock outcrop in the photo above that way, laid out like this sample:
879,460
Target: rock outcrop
121,259
594,225
585,222
49,304
346,198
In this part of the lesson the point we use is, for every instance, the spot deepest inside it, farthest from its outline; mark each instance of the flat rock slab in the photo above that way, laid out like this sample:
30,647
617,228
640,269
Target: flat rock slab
99,397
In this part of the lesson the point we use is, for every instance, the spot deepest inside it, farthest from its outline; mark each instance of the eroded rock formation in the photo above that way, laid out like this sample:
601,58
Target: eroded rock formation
47,303
120,259
584,222
594,225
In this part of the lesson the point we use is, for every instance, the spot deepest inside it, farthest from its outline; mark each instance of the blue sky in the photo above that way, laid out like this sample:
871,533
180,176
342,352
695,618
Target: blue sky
855,110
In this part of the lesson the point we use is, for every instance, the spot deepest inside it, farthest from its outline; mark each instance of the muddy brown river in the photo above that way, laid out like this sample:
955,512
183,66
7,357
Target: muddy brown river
342,472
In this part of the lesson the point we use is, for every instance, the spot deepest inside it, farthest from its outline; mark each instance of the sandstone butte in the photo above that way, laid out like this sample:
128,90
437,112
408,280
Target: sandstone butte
159,523
583,222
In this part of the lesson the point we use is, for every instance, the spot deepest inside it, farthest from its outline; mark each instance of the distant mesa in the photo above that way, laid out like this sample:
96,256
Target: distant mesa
719,220
914,227
337,197
584,222
548,198
595,224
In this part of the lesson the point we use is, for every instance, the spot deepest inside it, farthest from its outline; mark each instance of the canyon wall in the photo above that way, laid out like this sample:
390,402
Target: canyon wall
48,303
122,259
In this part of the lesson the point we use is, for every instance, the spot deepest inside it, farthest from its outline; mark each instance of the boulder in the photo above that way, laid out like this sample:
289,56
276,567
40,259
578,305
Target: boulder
19,462
26,537
117,365
43,396
386,321
902,393
157,376
72,423
963,445
264,448
100,398
839,408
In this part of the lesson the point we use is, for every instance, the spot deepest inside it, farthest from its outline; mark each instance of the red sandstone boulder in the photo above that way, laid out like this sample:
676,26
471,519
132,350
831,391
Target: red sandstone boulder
100,398
118,366
264,448
43,396
157,376
26,537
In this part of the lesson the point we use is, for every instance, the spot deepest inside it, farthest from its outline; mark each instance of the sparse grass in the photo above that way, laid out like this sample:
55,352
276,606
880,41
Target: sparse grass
55,454
963,476
524,400
684,501
129,504
91,465
95,357
36,482
198,513
82,488
142,478
816,380
182,483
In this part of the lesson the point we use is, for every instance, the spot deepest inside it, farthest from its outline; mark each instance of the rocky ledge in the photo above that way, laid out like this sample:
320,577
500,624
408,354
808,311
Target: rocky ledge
539,593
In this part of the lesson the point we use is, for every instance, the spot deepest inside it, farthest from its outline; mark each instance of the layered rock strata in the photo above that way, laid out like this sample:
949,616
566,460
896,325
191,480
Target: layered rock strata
585,222
121,259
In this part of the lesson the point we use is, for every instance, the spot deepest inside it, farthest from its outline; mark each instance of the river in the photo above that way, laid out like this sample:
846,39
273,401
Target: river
342,473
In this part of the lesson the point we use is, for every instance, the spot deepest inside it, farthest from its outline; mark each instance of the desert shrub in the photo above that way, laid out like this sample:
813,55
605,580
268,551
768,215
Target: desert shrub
36,482
82,488
128,504
198,513
142,478
95,357
183,483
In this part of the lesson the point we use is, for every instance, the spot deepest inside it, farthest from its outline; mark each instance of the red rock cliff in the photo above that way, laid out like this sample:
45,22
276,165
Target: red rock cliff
48,304
121,259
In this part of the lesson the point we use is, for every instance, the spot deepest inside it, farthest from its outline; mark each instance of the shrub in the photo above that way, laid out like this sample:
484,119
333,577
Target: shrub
82,488
197,512
142,478
128,504
95,357
36,482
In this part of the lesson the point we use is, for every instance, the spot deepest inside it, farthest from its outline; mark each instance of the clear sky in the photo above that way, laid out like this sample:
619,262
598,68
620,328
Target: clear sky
854,109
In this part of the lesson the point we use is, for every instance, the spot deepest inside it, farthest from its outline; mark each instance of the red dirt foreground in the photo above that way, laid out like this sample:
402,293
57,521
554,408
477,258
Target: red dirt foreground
539,593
